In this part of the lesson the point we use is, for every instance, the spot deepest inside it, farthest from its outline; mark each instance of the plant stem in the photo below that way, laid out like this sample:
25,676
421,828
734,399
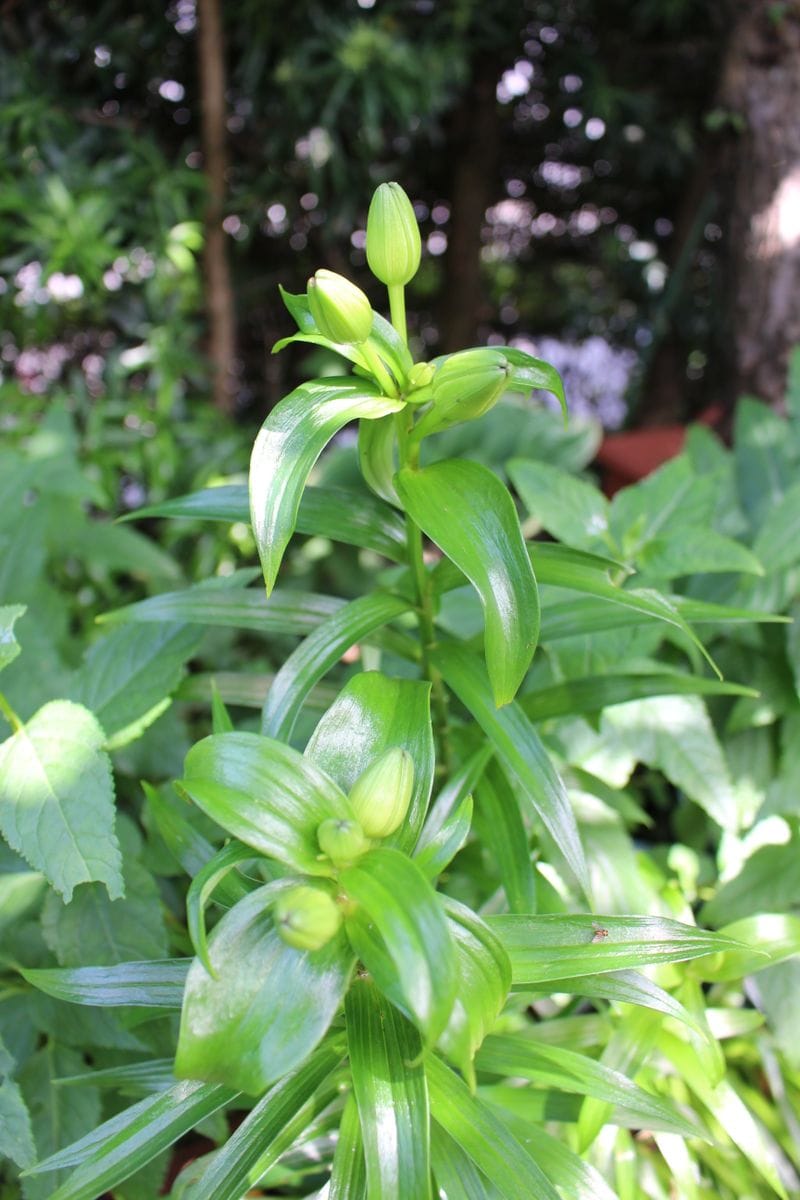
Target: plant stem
378,369
9,714
397,309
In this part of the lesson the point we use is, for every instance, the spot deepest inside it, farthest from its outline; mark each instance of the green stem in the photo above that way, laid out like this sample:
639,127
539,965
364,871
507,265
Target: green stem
10,715
397,309
378,369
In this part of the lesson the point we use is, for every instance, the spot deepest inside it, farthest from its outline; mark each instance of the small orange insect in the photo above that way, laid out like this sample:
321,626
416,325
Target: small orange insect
600,934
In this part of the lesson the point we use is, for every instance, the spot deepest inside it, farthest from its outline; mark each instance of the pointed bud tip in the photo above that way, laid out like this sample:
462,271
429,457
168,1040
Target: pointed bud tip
394,246
382,793
341,311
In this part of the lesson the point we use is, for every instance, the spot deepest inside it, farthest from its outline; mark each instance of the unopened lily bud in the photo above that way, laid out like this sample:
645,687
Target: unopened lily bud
382,794
342,841
306,917
466,386
341,311
421,374
393,242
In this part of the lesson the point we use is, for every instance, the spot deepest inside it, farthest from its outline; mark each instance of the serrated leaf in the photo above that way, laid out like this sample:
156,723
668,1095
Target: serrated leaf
690,551
289,443
469,514
56,1117
265,794
776,545
269,1004
372,714
319,652
400,903
57,795
156,984
16,1135
570,509
9,646
519,749
391,1094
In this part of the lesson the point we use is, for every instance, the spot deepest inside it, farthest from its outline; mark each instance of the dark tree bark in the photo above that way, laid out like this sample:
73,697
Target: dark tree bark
761,83
220,307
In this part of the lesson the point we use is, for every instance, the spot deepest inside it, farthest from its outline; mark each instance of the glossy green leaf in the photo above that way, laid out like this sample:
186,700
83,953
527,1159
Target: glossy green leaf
16,1137
570,509
500,826
221,721
268,1005
57,799
355,518
125,1143
349,1171
548,947
768,882
319,652
400,903
443,841
776,544
557,1067
576,1178
245,689
137,1079
265,794
289,443
696,551
391,347
484,1137
156,984
233,608
520,751
467,512
184,841
484,978
372,714
9,646
128,675
391,1094
202,889
534,374
455,1172
269,1129
56,1116
761,941
597,692
376,457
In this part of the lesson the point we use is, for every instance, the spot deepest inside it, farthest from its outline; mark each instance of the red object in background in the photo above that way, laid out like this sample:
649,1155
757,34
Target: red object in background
624,458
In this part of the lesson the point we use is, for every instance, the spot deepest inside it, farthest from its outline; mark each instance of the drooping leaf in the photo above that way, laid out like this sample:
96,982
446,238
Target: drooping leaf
267,1006
156,984
265,794
319,652
289,443
391,1095
520,751
9,646
372,714
465,509
57,799
399,902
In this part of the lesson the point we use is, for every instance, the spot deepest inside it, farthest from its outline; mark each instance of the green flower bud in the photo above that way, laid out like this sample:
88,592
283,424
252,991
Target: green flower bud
341,311
382,794
306,917
342,841
393,241
465,387
421,374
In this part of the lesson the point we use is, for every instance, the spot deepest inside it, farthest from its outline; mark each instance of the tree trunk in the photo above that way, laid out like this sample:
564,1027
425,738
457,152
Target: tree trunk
220,309
761,84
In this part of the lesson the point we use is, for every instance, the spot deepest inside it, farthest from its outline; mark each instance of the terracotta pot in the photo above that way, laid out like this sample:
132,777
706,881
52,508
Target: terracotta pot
624,458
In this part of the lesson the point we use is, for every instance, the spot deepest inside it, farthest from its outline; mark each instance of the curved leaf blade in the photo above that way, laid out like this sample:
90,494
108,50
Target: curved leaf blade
349,1172
154,984
465,509
201,889
376,457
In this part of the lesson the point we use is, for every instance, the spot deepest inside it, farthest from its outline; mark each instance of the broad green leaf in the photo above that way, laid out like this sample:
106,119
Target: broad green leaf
484,1137
776,545
571,1072
139,984
464,508
559,947
499,825
768,882
319,652
598,692
391,347
128,675
265,794
202,889
16,1136
289,443
268,1005
9,646
125,1143
349,1171
764,458
391,1094
372,714
376,457
269,1128
519,749
690,551
56,1117
233,608
670,499
484,978
400,903
626,1051
355,518
570,509
57,799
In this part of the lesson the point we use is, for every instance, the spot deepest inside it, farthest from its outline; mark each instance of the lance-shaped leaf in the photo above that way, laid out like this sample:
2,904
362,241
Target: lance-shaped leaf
499,824
232,608
395,898
152,984
484,1137
577,1179
534,374
464,508
376,457
349,1172
269,1004
265,794
57,799
289,443
519,749
448,823
202,889
455,1172
552,946
391,1094
597,692
484,977
371,715
319,652
9,646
